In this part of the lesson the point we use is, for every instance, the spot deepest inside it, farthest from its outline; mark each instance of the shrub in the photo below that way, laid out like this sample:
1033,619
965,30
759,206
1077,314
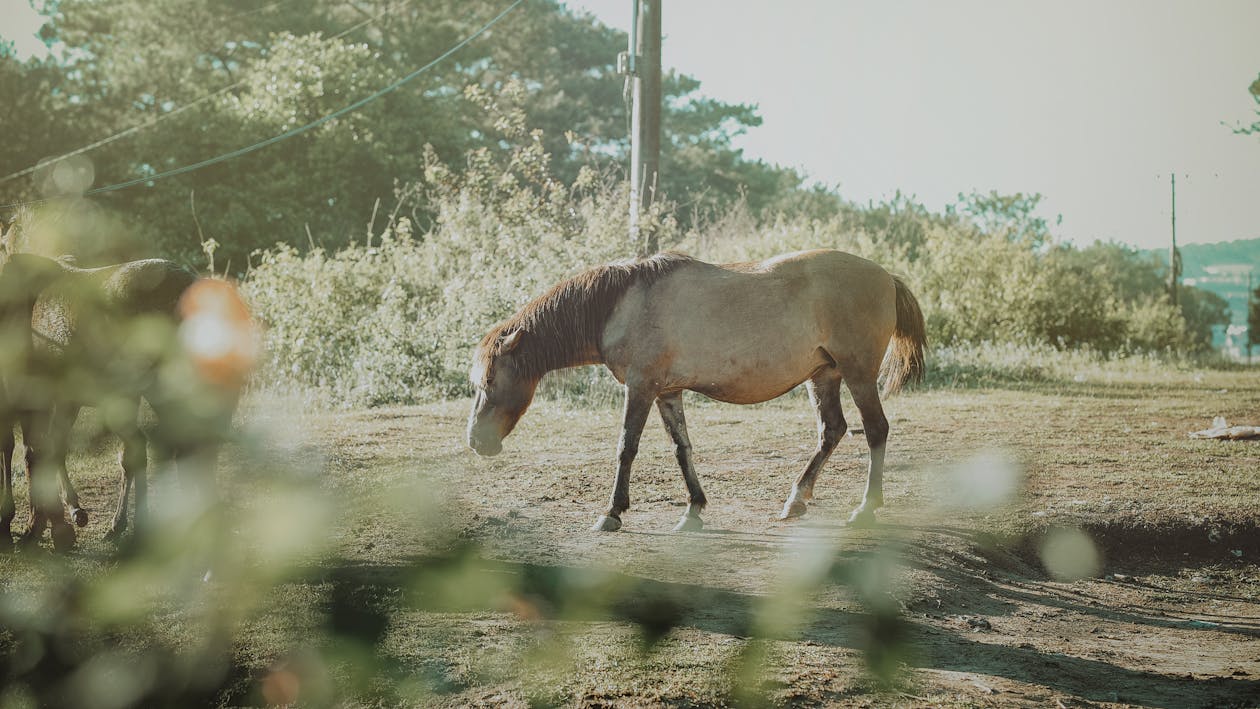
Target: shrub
394,319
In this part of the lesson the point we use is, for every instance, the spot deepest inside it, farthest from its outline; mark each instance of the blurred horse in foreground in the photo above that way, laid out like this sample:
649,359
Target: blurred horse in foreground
739,333
107,338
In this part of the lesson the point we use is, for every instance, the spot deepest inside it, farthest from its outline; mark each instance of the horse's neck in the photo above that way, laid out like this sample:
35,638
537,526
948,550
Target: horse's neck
554,353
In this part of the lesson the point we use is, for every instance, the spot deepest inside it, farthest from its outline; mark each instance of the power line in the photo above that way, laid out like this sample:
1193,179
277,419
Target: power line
171,114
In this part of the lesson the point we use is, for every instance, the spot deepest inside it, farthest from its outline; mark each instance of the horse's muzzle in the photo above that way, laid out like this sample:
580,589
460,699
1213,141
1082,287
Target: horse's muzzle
485,448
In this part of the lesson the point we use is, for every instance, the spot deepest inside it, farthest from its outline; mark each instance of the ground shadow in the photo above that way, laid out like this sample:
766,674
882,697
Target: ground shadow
585,594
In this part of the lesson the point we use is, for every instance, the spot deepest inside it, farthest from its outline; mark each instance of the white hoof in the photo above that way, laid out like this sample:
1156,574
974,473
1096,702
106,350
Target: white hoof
862,518
793,509
606,524
689,523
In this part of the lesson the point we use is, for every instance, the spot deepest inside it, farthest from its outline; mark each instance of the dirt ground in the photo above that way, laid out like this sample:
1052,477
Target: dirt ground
952,589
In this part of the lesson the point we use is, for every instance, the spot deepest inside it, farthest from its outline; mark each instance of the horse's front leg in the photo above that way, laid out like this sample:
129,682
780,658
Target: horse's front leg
671,408
638,404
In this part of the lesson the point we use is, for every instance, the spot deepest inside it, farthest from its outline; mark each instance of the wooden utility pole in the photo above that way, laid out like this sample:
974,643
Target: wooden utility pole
1174,263
645,135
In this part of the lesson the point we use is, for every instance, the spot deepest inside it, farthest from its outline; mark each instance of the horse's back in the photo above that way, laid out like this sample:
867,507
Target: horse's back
84,314
150,285
749,332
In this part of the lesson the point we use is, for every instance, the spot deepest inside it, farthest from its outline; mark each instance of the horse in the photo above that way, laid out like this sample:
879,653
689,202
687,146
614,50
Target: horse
108,337
738,333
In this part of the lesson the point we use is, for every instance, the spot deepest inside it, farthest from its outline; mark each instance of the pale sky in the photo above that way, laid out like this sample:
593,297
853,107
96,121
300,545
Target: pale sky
1090,103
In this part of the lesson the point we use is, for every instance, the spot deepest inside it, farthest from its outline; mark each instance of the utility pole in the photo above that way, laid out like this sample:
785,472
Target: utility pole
1174,262
644,74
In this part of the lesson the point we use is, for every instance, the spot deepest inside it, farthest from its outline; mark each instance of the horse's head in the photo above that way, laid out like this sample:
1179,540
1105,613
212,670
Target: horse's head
502,389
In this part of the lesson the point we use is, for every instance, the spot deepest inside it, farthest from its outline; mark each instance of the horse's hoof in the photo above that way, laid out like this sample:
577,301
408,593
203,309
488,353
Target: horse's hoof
689,523
606,524
63,537
80,516
862,519
793,509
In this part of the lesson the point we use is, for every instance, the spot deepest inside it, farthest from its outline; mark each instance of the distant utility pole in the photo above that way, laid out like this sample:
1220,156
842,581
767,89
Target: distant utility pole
643,70
1174,262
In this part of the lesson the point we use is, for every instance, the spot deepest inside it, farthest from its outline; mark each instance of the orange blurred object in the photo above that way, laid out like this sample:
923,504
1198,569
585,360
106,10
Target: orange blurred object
218,333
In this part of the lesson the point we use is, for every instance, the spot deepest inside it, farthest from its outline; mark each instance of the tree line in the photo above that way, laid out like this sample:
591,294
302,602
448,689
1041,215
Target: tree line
521,136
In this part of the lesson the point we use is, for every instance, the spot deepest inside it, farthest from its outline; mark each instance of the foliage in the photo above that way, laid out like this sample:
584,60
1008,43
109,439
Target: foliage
1253,318
129,62
1254,90
505,228
399,312
419,220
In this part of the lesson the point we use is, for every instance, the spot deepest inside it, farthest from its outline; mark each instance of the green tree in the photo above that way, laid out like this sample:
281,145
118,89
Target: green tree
1253,318
1012,216
1202,310
134,61
1254,90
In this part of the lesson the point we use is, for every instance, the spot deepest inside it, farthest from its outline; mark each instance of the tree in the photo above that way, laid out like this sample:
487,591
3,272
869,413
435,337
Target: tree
1254,90
1253,318
283,64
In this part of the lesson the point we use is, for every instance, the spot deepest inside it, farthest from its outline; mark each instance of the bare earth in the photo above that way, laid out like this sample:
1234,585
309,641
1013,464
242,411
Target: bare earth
754,610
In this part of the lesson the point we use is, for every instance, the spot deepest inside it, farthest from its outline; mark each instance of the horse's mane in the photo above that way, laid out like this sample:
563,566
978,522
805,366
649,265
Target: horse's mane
569,319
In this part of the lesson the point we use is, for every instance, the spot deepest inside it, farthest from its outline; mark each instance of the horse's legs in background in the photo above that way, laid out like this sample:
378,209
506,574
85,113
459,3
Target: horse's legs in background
63,424
824,394
866,395
134,459
671,408
638,404
8,509
43,454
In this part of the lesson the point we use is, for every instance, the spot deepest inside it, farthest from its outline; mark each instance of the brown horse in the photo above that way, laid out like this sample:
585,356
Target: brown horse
739,333
108,337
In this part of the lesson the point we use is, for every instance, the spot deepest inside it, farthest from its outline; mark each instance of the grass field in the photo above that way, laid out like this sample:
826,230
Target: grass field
385,564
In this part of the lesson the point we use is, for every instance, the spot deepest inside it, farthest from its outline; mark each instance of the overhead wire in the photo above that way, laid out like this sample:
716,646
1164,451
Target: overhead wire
174,112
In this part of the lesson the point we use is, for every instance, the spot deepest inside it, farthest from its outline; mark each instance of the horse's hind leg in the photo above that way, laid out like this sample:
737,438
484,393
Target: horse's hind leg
671,408
824,393
134,460
63,423
8,509
43,450
866,396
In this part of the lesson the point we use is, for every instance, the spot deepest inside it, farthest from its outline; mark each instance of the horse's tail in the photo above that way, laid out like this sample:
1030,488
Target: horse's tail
904,360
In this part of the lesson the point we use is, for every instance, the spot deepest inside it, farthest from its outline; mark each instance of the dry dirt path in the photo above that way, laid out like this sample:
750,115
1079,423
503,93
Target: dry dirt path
1171,619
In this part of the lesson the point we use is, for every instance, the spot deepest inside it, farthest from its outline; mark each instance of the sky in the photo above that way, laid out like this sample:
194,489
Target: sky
1092,104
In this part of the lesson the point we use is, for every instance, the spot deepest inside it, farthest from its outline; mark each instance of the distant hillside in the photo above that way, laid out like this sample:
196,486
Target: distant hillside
1196,259
1222,268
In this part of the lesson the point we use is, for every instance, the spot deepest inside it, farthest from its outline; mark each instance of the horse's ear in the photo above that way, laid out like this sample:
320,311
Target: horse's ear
511,341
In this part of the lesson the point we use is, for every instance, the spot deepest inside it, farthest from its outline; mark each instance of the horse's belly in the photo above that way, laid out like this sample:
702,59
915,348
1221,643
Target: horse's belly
751,380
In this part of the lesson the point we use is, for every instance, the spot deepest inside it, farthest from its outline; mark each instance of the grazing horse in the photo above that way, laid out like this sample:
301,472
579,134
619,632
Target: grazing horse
739,333
108,337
